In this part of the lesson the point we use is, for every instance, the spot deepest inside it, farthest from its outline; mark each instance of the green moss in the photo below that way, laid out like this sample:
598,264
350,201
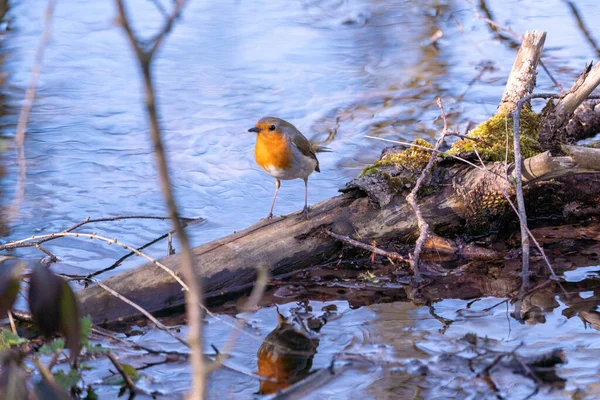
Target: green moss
492,137
401,169
411,159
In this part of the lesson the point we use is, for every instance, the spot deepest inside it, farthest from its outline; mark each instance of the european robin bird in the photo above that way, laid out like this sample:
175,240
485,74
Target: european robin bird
284,153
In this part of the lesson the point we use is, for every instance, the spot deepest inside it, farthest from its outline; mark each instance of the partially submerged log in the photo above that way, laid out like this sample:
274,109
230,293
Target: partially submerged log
458,199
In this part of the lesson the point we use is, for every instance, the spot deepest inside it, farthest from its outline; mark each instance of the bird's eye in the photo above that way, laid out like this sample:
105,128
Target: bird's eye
272,128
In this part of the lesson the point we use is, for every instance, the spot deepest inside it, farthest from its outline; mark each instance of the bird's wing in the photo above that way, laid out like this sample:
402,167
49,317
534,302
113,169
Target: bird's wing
303,144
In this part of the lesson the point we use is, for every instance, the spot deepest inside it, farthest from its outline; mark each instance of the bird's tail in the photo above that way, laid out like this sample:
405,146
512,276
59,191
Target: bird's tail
318,148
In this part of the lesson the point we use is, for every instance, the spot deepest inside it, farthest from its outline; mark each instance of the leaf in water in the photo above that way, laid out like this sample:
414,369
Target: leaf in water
132,372
54,307
48,391
53,347
67,381
13,380
117,379
10,279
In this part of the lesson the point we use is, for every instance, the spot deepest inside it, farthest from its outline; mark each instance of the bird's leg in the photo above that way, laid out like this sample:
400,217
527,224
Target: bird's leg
277,185
305,210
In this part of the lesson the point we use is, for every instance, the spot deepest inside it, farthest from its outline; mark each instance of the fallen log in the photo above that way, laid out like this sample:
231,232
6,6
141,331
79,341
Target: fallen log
457,199
467,199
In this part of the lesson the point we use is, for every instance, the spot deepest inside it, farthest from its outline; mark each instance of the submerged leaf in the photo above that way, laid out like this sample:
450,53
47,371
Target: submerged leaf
131,371
54,308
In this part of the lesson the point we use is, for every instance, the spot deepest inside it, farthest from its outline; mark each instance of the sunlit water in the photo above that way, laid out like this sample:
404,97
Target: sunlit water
353,67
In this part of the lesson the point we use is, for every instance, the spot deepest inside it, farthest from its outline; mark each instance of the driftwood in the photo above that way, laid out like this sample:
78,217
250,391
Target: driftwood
523,74
572,118
459,199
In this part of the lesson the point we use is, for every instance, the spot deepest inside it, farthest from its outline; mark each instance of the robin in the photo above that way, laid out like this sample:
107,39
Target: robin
284,153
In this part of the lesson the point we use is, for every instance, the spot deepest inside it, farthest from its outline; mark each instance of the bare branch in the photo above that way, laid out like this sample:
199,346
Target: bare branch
390,254
412,199
151,317
26,109
195,293
35,75
582,27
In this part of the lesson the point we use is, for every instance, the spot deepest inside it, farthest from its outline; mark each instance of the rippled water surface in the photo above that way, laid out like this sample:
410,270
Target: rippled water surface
340,69
350,67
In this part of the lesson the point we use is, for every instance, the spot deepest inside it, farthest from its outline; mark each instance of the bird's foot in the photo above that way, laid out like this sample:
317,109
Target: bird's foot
304,213
270,216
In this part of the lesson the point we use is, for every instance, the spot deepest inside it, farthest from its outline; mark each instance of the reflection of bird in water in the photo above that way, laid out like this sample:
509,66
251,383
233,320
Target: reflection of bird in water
286,356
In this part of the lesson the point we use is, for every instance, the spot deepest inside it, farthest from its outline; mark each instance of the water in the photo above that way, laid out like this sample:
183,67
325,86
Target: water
349,67
366,64
400,338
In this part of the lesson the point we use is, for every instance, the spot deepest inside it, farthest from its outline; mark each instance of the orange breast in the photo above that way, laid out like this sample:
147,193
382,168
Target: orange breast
272,150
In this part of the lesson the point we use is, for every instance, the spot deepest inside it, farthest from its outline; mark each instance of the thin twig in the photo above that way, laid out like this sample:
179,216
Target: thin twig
170,250
141,309
516,211
195,294
346,239
133,389
518,183
109,241
44,371
11,320
582,27
88,220
257,293
141,254
26,109
107,334
412,199
408,144
120,260
53,258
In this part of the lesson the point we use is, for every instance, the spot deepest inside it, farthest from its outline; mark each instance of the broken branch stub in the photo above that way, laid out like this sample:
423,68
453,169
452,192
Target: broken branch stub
572,118
523,74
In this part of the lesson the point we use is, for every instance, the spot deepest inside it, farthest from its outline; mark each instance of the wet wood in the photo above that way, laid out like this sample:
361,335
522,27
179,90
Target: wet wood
579,160
572,118
521,80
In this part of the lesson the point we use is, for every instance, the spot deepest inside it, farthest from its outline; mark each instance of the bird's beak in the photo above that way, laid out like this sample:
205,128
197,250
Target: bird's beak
254,129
